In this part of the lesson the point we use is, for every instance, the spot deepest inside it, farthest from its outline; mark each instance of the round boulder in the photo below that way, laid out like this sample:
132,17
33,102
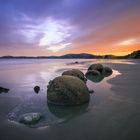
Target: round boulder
107,71
36,89
30,118
67,90
76,73
98,67
94,76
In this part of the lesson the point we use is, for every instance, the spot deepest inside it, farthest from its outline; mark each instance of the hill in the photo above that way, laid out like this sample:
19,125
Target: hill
133,55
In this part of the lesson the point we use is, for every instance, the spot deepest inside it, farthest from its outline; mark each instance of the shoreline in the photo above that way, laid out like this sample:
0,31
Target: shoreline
115,116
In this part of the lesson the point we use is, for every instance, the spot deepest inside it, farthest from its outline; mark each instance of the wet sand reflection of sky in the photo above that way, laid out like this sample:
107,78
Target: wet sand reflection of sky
23,78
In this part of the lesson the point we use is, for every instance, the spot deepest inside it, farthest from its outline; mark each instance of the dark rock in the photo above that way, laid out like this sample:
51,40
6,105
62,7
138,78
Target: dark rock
4,90
36,89
106,71
67,90
76,62
76,73
97,67
94,76
91,91
30,118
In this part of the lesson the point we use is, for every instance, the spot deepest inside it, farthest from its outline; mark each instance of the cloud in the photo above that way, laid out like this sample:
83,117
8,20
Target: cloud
58,47
53,24
55,33
128,42
49,33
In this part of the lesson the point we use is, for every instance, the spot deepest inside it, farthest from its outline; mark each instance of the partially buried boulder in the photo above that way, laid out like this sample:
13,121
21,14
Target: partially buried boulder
67,90
76,73
98,67
36,89
94,76
30,118
4,90
76,62
106,71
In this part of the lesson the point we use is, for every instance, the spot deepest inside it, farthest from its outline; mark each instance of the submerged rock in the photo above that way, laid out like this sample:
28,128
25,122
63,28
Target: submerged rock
4,90
98,67
36,89
30,118
76,73
67,90
107,71
94,76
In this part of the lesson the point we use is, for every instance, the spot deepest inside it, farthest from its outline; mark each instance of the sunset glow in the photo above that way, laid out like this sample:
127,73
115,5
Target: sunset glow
38,28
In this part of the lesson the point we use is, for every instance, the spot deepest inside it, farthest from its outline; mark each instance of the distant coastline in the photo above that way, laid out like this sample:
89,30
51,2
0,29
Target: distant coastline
133,55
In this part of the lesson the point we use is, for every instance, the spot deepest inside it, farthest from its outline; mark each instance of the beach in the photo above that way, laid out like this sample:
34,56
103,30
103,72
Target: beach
112,112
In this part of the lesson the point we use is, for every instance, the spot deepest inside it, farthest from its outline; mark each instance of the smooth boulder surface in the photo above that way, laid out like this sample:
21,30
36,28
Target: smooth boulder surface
98,67
97,72
30,118
107,71
94,76
76,73
67,90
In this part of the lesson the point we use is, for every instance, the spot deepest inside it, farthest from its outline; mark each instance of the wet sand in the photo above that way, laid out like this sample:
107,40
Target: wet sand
112,113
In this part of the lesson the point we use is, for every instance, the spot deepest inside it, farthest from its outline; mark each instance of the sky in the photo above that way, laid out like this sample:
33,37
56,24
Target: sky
58,27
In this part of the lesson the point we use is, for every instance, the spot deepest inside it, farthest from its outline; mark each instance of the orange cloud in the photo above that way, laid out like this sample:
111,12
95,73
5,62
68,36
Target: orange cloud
125,30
